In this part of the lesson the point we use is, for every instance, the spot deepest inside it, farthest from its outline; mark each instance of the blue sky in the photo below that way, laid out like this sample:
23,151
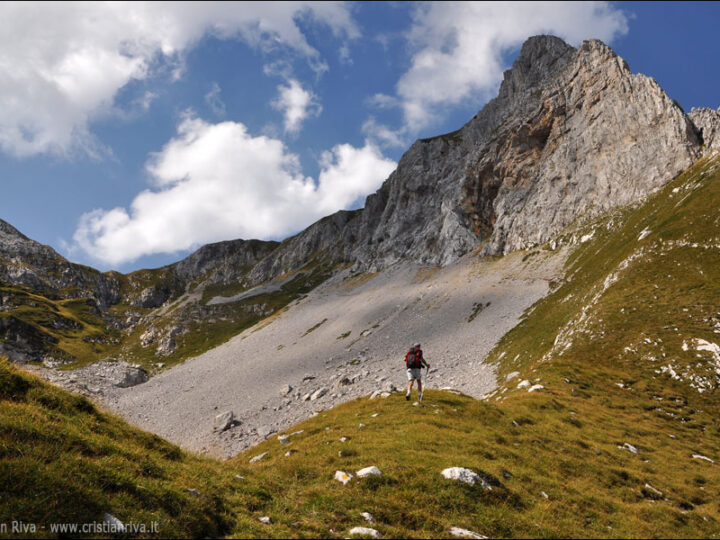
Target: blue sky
131,134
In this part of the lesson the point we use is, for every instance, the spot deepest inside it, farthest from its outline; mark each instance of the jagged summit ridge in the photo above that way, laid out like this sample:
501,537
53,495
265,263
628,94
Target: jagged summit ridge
539,57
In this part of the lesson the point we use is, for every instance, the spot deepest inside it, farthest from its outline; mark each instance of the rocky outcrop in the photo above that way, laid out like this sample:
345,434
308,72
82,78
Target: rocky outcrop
707,122
26,262
571,133
597,138
222,262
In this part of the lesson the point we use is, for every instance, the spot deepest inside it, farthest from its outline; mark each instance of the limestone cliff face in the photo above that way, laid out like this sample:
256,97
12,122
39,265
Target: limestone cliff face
433,208
707,122
596,138
222,262
571,133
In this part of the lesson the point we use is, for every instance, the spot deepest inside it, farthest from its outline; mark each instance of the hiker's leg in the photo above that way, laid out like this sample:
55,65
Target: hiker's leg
419,386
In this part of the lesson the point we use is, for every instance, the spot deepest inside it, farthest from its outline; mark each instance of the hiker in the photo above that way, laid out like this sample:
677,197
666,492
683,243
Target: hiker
414,361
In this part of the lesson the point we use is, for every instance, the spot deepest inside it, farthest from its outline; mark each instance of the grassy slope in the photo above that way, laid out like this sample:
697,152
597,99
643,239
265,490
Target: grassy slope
64,329
607,323
61,460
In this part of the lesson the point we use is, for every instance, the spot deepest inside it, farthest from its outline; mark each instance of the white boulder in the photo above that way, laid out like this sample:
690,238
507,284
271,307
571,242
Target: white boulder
368,517
343,477
369,471
464,533
465,475
364,531
258,458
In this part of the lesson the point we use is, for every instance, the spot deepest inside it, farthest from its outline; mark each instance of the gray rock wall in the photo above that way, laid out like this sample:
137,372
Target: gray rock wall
707,122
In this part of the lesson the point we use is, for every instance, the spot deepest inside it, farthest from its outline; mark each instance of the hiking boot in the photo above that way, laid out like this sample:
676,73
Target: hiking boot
407,396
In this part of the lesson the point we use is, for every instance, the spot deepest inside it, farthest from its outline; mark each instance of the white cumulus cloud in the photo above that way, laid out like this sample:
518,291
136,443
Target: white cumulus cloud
216,181
62,63
297,105
458,47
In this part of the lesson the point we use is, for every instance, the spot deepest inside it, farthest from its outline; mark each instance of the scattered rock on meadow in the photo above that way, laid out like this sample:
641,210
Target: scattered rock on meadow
258,458
369,471
649,492
343,477
464,533
704,458
364,531
265,519
368,517
629,447
523,384
536,387
465,475
114,524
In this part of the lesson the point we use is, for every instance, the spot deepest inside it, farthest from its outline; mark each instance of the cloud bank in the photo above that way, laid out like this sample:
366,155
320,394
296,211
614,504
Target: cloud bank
62,63
216,181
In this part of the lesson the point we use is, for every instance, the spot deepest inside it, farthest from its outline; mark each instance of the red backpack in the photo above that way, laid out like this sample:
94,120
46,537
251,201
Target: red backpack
413,358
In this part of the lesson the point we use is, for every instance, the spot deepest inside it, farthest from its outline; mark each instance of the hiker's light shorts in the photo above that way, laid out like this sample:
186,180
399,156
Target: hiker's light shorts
414,374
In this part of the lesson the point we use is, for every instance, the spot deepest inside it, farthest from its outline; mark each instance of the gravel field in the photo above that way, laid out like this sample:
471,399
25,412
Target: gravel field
348,338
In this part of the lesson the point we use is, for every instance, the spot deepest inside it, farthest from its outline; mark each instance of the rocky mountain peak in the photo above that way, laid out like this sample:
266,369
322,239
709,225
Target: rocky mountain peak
8,230
598,54
539,56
